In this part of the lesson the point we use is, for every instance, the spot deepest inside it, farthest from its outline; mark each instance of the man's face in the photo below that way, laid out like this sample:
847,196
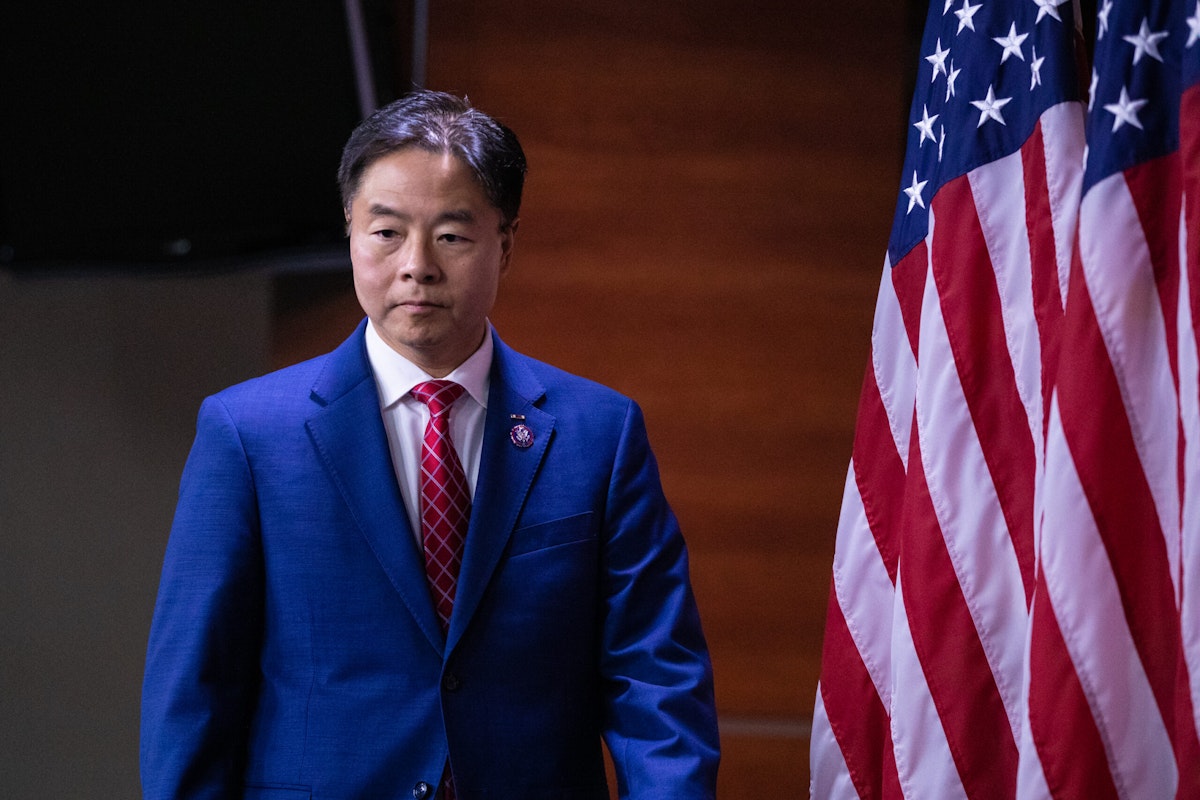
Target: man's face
428,251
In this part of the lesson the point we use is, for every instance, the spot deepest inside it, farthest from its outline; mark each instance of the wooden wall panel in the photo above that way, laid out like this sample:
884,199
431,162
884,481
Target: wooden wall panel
710,193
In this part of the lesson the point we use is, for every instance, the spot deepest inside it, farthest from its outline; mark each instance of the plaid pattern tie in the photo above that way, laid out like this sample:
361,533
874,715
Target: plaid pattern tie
445,508
445,498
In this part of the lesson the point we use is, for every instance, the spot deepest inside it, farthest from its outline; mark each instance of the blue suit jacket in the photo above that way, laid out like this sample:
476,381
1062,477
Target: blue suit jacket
295,651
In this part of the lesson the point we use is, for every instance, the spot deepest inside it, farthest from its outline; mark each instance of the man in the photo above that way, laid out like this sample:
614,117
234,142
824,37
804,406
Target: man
324,627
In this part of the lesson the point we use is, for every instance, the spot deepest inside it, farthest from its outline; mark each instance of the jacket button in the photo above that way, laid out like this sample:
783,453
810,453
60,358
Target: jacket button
422,790
450,682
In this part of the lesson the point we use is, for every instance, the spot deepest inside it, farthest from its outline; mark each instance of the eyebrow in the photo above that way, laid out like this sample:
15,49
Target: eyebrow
458,215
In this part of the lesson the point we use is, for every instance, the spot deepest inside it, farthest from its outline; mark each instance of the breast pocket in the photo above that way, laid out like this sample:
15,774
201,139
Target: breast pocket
556,532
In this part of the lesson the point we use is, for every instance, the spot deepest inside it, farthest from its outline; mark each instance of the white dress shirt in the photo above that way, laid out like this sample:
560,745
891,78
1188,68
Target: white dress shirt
404,416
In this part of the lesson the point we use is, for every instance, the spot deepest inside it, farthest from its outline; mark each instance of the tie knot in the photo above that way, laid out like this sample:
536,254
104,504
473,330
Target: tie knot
438,395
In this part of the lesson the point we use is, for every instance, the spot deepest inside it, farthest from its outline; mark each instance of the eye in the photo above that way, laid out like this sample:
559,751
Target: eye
453,238
385,233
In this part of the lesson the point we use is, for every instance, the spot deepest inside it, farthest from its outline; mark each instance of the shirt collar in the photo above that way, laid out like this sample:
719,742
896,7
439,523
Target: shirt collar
395,375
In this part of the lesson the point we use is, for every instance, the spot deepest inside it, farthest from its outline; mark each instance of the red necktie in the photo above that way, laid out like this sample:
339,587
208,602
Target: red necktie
445,507
445,498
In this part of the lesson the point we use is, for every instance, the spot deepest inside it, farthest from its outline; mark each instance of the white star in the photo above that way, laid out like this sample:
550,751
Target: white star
947,7
965,15
925,126
938,59
952,76
1046,7
1102,19
1011,43
1092,88
1194,26
1145,42
1035,68
914,193
1125,110
941,143
989,107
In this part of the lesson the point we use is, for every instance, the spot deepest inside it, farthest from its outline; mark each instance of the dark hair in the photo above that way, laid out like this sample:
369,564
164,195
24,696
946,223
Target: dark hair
440,123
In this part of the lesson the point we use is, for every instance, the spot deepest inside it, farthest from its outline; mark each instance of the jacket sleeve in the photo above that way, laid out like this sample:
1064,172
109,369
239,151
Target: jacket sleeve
660,717
202,660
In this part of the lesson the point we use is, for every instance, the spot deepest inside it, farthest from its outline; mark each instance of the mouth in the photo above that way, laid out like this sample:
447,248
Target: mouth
418,306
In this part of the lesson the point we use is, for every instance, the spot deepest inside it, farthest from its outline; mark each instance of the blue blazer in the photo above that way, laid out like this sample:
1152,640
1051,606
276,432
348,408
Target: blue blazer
295,651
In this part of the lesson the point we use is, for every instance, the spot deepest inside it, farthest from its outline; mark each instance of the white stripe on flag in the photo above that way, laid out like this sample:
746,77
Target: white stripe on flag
863,588
923,758
894,363
1087,603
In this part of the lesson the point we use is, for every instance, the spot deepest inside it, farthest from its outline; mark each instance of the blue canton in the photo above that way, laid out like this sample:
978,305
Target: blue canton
988,71
1133,111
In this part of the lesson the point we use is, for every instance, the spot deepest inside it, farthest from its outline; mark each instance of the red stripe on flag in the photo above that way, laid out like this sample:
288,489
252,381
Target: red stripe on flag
908,279
891,776
878,471
1189,156
1187,747
1047,299
970,302
952,658
1156,190
856,714
1057,704
1189,153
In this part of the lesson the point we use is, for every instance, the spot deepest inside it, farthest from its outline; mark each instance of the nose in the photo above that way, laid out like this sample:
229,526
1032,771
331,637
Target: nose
417,262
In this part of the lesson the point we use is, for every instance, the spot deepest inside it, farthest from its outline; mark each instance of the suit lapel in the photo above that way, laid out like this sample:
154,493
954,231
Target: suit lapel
505,476
347,431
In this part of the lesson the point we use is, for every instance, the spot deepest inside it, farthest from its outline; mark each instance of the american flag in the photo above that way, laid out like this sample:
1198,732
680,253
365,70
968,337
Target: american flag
1010,613
1115,625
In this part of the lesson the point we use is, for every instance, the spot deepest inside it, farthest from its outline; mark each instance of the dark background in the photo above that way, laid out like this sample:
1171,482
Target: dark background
178,134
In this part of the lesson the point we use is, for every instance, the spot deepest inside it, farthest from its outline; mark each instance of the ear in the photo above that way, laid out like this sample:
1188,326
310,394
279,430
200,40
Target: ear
508,236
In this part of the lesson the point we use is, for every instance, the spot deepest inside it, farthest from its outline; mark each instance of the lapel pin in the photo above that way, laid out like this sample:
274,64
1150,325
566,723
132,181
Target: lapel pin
520,435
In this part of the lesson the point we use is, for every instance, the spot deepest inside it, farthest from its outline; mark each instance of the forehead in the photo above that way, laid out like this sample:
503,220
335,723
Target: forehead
416,175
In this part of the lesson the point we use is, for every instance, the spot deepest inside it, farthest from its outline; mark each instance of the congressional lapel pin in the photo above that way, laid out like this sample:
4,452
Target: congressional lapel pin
520,435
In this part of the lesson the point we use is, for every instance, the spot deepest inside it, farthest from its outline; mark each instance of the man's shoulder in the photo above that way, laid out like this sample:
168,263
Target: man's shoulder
285,379
560,384
294,385
276,399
